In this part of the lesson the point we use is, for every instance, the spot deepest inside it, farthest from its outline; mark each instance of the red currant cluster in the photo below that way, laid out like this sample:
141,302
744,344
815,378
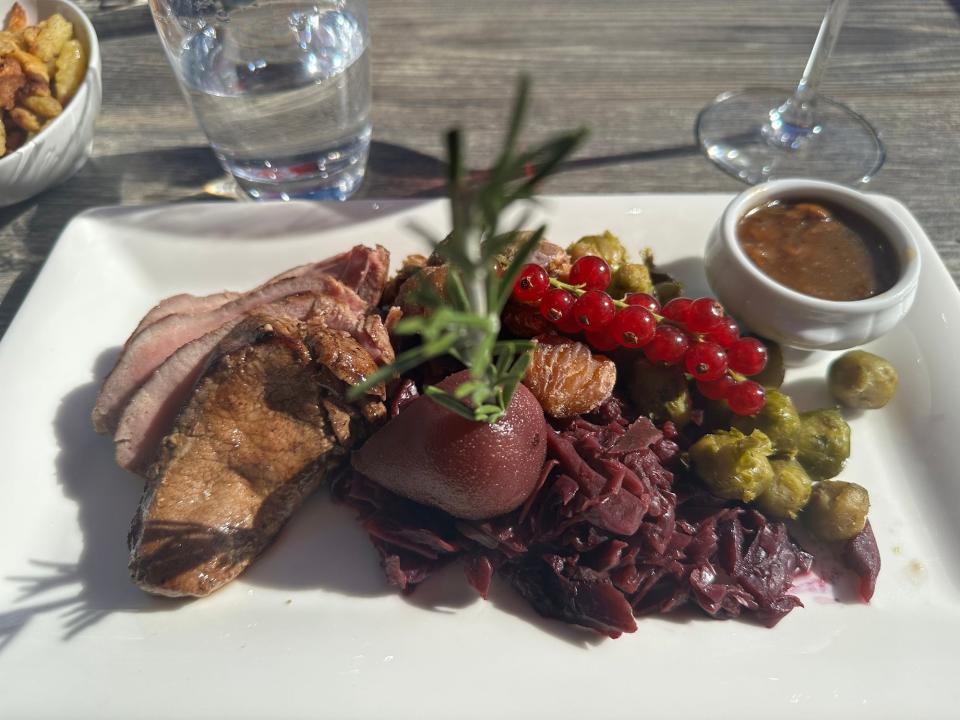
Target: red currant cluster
696,334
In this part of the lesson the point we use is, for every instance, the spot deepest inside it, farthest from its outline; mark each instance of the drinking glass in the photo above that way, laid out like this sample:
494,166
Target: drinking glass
765,134
280,87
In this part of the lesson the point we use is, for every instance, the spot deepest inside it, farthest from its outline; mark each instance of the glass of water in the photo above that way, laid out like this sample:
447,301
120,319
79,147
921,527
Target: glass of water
280,87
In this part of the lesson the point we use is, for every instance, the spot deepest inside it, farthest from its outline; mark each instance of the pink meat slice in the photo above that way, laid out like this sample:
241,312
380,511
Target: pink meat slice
184,303
153,409
364,273
357,268
144,353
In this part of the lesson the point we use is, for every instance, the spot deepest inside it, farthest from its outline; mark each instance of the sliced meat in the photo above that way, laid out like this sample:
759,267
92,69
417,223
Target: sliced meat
266,423
373,335
394,315
151,411
364,270
360,270
187,304
183,304
158,341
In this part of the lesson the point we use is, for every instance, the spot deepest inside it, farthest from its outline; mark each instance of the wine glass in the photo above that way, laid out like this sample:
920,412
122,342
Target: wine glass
764,134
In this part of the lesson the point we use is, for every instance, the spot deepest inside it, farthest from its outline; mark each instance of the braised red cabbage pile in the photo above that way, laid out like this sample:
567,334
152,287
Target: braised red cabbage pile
611,533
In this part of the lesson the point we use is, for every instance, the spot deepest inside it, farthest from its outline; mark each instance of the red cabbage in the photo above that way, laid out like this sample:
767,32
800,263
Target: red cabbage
610,533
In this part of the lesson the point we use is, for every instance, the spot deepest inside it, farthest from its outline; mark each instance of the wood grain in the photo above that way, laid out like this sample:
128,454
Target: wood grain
635,71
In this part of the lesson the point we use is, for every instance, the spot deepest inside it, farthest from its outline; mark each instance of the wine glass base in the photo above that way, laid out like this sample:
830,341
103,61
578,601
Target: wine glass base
734,131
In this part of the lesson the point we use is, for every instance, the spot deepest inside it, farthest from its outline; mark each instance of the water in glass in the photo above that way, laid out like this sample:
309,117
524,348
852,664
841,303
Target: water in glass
282,90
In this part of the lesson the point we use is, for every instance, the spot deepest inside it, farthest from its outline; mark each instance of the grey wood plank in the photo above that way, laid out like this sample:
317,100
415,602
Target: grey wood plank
635,71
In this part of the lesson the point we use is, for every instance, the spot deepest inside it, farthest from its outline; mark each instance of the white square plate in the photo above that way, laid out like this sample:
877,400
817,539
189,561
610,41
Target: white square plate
312,628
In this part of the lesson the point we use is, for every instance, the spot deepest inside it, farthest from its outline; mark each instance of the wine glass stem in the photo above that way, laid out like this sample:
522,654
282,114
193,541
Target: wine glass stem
796,117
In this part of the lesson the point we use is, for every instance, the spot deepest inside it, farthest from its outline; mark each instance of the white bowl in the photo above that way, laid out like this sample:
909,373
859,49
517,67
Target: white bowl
64,145
793,318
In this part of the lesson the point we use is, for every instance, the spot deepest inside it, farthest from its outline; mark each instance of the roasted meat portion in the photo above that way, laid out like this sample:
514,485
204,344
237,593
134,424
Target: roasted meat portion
361,271
162,360
266,423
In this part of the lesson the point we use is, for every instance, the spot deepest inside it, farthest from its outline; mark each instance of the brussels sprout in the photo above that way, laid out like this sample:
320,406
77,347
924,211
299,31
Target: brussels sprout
823,443
665,286
734,465
779,421
859,379
837,510
667,290
716,414
772,375
607,246
630,278
662,393
789,491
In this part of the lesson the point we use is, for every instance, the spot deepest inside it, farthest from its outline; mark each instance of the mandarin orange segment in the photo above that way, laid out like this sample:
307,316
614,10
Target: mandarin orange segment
567,378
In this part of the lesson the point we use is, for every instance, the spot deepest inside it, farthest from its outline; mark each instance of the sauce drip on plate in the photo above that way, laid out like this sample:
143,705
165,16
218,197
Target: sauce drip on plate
819,250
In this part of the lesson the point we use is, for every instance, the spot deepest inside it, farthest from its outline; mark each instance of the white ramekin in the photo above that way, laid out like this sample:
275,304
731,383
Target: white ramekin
790,317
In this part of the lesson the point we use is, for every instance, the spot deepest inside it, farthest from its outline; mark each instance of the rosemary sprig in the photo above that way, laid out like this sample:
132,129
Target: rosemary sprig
466,324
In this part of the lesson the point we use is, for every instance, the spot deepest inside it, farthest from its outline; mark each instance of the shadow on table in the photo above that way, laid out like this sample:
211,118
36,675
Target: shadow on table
396,171
123,22
181,175
632,156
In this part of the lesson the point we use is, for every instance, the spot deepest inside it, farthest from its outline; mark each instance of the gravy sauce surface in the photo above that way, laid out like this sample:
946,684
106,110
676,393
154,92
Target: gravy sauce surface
819,250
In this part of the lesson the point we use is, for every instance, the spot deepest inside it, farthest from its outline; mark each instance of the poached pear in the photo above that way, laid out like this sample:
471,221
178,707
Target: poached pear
471,470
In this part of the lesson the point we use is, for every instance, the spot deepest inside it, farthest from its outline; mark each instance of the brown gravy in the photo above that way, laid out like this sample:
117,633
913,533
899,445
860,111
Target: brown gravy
819,250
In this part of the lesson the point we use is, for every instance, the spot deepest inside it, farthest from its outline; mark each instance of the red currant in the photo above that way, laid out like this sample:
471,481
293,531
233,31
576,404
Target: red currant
633,327
603,339
532,284
716,389
667,346
725,334
594,309
704,314
746,398
747,356
567,325
557,304
590,272
705,360
643,300
677,310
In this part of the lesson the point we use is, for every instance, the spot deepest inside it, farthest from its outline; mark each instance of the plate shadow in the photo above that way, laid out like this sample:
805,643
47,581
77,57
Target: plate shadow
322,546
97,584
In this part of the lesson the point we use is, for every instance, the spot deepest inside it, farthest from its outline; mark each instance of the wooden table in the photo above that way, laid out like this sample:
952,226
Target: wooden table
635,71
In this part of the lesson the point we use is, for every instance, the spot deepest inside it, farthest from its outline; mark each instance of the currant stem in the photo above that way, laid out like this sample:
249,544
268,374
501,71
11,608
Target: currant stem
579,290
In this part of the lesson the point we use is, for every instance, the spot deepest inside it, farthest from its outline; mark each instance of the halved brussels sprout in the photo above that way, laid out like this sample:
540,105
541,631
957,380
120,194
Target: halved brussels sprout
837,510
823,443
779,421
734,465
631,278
660,392
607,246
788,493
